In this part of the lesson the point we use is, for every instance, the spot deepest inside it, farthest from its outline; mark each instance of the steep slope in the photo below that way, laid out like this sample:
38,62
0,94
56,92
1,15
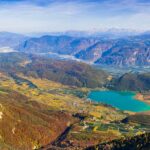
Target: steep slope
130,143
56,44
36,111
11,39
66,72
142,118
133,82
27,125
95,51
127,51
34,117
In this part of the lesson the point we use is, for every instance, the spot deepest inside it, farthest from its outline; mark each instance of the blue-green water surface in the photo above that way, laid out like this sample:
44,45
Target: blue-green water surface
121,100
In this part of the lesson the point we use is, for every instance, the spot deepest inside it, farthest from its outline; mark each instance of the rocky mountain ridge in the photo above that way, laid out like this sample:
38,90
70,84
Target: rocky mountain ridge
123,51
128,51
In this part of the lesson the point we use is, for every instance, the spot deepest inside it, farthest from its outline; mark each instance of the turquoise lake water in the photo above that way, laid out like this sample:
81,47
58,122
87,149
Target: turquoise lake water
120,100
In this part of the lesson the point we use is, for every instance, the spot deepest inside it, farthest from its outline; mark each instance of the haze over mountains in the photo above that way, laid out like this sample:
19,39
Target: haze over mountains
123,51
11,40
74,74
44,102
120,51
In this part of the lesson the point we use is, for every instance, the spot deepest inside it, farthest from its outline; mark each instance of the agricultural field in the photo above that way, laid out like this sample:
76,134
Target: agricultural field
36,102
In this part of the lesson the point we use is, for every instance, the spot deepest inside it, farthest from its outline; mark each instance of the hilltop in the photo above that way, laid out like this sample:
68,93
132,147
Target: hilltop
63,71
132,82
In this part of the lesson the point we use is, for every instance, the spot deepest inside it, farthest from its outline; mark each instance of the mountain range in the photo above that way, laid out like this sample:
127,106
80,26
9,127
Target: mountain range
121,51
69,72
11,40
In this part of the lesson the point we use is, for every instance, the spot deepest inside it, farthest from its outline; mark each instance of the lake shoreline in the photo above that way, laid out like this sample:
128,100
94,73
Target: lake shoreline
122,100
140,97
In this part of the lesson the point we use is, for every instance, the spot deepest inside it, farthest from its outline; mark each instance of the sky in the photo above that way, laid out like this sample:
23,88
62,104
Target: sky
28,16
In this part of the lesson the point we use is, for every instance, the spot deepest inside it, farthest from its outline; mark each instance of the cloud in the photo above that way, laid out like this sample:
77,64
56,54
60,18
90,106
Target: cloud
60,15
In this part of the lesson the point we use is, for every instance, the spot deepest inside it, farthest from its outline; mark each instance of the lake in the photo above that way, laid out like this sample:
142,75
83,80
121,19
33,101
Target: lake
120,100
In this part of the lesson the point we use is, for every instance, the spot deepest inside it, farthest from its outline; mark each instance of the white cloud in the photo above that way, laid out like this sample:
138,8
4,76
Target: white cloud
26,17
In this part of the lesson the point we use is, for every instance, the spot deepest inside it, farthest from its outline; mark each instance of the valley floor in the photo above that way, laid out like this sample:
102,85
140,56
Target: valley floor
41,114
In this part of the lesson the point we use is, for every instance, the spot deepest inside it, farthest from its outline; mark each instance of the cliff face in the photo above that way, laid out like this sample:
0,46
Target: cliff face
127,51
122,51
